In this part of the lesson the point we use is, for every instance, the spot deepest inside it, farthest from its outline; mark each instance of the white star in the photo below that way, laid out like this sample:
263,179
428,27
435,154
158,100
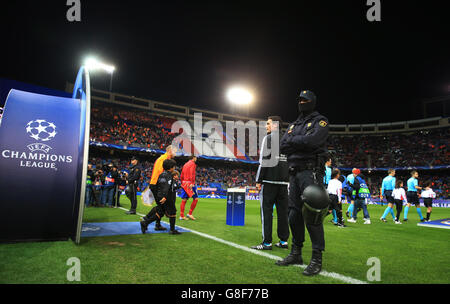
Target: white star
40,128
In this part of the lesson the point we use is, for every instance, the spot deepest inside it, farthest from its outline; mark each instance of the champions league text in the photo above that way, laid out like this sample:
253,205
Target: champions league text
37,160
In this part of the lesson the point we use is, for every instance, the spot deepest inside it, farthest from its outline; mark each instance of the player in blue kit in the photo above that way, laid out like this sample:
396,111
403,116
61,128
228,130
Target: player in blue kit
387,186
412,196
326,180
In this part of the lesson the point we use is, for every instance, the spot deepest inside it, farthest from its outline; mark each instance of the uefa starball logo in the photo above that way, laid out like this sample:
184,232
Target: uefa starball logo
39,155
41,130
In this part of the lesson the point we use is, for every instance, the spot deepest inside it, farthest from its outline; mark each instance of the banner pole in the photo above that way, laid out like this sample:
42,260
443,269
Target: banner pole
85,154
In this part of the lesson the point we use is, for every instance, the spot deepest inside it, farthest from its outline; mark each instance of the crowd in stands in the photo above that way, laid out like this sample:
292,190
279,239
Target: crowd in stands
210,173
420,148
227,177
131,127
140,128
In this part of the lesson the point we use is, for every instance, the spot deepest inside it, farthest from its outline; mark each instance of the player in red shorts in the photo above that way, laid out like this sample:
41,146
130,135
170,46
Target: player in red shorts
188,188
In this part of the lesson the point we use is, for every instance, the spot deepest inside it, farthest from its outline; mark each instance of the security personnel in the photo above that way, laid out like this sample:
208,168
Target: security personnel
304,143
133,178
272,182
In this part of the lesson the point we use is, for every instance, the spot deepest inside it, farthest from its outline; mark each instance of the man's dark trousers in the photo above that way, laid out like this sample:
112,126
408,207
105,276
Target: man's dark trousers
297,184
274,194
133,197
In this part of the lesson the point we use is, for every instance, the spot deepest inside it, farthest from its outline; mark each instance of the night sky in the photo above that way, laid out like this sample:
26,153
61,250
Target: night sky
190,52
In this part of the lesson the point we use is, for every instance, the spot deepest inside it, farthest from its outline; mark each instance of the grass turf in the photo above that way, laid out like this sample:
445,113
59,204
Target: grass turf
408,253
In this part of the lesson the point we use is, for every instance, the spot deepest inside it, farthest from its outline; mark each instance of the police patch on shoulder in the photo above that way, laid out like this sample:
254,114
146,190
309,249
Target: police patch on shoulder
323,123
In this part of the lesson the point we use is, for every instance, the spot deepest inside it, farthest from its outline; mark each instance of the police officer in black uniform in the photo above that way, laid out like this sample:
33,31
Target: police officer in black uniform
304,143
133,178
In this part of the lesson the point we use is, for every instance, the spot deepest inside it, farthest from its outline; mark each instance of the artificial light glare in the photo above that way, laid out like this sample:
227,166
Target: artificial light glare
239,95
92,63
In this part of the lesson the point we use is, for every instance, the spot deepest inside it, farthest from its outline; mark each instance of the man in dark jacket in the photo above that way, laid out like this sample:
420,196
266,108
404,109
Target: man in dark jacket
109,185
272,181
120,186
165,191
133,179
305,144
90,179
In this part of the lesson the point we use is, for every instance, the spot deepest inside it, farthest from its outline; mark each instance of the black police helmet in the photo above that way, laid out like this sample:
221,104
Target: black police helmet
316,197
128,191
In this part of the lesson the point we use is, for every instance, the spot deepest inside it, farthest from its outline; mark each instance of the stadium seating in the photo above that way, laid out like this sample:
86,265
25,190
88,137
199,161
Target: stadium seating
140,128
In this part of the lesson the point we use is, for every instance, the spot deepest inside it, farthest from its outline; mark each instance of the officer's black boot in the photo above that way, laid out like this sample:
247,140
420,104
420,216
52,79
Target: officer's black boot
294,258
315,265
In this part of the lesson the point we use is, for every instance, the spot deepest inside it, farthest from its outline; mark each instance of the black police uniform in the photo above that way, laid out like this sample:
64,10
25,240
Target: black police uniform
133,178
166,187
274,180
305,145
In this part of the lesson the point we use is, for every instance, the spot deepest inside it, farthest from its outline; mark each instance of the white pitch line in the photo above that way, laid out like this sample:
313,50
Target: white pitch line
324,273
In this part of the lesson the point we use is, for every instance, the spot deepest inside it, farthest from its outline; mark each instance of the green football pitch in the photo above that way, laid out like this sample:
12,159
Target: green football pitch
217,253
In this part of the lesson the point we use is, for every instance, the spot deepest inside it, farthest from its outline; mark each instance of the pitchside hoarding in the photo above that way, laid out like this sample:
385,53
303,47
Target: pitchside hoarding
39,147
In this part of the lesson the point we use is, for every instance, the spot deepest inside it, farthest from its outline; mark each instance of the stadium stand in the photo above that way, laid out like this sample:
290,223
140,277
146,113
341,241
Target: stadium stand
129,122
209,173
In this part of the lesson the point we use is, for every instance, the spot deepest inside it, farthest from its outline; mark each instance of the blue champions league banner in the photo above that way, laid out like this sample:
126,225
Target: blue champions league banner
39,161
